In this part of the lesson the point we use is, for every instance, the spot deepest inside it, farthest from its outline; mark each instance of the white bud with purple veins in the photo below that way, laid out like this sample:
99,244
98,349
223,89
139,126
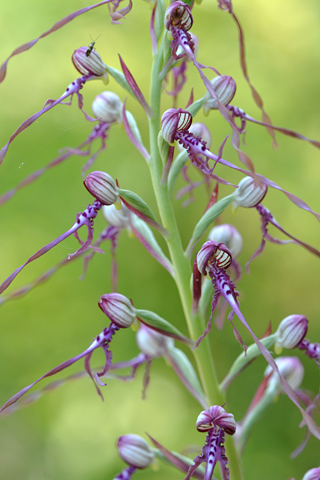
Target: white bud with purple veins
89,65
216,416
178,15
118,308
313,474
173,121
119,218
102,187
225,88
291,332
290,368
213,253
249,194
135,451
107,106
151,342
228,235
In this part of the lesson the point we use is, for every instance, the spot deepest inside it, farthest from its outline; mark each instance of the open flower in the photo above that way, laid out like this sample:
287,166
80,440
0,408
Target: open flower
216,422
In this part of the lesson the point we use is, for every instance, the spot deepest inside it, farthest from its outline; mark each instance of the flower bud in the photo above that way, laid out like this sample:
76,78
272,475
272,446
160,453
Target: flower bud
151,342
248,194
213,253
178,15
102,187
225,88
216,416
291,332
118,218
89,65
118,308
107,106
228,235
173,121
135,451
290,368
313,474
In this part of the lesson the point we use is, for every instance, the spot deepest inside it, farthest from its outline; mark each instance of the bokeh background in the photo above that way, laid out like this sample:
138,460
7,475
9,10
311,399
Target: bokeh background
69,433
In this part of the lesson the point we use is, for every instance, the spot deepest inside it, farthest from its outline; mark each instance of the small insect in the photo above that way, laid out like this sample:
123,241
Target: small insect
90,47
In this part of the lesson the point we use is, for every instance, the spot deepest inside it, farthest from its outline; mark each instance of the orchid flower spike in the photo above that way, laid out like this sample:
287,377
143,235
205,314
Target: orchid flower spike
216,422
136,452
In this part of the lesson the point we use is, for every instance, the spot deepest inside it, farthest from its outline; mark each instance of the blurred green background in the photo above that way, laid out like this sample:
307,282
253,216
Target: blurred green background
69,433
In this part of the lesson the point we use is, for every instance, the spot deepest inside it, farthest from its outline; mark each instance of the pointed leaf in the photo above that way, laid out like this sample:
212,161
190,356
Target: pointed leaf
152,320
185,371
140,208
208,217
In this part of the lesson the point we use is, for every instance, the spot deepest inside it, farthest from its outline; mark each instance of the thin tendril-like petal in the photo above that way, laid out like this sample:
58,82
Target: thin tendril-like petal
56,26
84,219
144,152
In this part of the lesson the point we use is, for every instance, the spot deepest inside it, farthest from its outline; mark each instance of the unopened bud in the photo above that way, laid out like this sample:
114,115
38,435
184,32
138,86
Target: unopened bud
116,217
213,253
89,64
118,308
102,187
107,106
249,194
216,416
291,332
290,368
173,121
313,474
229,235
225,88
178,15
151,342
135,451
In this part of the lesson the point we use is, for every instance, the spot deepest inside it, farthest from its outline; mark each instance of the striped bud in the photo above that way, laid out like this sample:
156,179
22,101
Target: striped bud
290,368
173,121
313,474
118,308
135,451
102,187
291,332
107,106
89,65
225,88
248,194
151,342
178,15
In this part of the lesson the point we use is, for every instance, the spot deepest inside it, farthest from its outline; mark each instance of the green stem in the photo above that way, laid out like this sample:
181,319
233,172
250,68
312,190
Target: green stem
181,264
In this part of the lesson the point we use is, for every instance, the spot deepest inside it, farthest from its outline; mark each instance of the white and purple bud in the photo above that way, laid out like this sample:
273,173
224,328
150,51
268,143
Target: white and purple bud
135,451
152,343
89,65
225,88
290,368
178,15
213,253
102,187
107,106
118,308
173,121
291,332
313,474
229,235
216,416
249,194
119,218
